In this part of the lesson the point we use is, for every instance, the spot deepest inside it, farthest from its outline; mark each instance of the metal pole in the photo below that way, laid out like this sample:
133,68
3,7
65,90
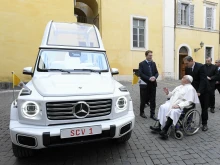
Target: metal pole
13,87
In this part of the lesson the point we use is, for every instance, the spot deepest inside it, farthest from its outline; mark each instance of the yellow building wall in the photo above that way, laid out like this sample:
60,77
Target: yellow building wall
193,39
194,35
116,32
21,30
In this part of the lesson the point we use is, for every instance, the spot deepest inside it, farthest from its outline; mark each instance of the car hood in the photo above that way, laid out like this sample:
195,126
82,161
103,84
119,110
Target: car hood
74,85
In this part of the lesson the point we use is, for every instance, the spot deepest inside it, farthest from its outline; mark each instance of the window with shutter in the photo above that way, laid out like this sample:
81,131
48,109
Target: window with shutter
185,14
138,33
191,15
209,18
179,13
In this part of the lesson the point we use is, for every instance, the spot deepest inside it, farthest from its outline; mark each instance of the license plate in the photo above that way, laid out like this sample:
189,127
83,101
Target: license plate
81,131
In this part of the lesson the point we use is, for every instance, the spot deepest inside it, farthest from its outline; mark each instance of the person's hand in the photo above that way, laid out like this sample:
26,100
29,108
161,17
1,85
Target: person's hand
175,106
152,78
166,90
198,94
208,78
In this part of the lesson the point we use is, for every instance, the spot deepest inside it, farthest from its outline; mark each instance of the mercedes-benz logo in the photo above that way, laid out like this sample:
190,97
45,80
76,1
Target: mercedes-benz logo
81,110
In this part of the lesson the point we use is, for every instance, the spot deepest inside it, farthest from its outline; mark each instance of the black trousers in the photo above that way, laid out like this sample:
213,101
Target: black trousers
143,97
212,97
217,86
204,101
148,92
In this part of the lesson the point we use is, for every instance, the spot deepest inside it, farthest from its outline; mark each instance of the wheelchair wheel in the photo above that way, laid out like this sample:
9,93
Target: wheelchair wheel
178,135
191,122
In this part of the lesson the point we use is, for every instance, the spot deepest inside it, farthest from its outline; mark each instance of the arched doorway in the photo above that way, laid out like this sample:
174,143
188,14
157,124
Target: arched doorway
86,11
183,52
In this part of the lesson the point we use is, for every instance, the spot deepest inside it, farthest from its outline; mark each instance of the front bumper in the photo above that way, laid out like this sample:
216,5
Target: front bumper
49,136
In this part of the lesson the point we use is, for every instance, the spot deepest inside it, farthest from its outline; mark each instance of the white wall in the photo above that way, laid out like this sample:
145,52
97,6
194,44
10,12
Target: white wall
168,39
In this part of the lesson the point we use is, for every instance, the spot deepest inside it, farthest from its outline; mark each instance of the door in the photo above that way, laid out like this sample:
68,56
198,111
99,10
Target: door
181,66
183,52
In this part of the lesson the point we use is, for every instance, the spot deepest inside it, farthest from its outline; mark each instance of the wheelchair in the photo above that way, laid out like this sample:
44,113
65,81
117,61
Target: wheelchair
188,123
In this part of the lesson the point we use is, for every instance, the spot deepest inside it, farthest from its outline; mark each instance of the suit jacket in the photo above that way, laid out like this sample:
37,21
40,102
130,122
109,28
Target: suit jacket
218,76
144,71
212,72
200,81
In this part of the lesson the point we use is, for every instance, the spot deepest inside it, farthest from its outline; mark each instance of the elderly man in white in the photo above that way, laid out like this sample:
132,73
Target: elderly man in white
181,97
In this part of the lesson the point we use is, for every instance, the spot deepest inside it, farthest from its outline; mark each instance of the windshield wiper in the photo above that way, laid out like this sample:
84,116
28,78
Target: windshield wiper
91,70
61,70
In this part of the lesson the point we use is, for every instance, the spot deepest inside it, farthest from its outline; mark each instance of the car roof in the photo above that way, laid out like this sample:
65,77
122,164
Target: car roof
65,35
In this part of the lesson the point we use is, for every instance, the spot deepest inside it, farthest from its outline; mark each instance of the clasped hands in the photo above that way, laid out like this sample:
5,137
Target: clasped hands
152,78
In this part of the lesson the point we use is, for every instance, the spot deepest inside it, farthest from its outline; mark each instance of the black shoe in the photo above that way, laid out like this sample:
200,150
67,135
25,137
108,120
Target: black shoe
153,117
204,128
164,134
156,129
143,115
212,110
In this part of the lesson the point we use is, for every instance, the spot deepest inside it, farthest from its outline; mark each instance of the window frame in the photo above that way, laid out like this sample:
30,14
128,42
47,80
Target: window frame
145,33
212,53
213,16
187,14
190,19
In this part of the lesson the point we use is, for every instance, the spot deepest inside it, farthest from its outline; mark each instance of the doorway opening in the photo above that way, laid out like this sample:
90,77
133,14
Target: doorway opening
86,11
183,52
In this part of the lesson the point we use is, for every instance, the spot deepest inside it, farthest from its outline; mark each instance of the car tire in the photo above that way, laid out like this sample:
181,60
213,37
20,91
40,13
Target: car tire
124,138
21,152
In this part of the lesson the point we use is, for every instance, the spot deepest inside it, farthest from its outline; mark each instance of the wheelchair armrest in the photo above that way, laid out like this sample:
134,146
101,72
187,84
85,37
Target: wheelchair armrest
191,106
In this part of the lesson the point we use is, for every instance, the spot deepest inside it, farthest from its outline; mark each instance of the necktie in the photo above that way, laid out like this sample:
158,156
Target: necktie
191,71
150,69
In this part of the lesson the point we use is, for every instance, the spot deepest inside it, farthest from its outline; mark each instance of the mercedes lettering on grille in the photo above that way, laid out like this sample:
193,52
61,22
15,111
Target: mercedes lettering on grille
81,110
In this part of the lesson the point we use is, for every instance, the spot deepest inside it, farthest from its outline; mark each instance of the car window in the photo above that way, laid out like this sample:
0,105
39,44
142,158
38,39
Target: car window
70,60
75,35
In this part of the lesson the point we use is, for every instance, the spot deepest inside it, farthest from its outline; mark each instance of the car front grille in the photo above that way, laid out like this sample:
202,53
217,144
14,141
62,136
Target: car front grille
64,110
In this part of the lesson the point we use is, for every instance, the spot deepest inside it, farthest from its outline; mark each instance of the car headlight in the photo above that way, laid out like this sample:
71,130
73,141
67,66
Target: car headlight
122,103
30,109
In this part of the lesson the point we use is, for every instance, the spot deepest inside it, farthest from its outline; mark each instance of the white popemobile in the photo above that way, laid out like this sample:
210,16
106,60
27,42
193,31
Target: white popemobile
72,96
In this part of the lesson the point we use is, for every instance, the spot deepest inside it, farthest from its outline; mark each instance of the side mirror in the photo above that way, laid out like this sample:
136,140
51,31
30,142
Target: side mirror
28,71
115,71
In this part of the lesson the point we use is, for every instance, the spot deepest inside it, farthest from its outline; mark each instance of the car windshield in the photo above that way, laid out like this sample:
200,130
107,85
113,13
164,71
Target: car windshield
76,35
71,60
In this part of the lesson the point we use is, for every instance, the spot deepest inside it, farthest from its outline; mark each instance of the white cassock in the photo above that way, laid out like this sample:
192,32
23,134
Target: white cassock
183,95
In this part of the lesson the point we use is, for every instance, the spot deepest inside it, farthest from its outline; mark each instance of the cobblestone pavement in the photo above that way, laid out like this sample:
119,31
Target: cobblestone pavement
143,148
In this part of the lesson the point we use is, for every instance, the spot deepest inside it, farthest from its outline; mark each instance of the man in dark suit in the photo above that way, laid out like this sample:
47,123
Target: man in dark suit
217,84
201,85
212,73
148,74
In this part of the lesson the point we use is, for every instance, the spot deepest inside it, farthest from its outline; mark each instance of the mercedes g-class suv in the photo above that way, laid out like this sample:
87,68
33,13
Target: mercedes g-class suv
72,96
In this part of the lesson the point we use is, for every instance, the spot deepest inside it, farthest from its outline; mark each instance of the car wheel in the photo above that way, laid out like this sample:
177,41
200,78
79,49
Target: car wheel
21,152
